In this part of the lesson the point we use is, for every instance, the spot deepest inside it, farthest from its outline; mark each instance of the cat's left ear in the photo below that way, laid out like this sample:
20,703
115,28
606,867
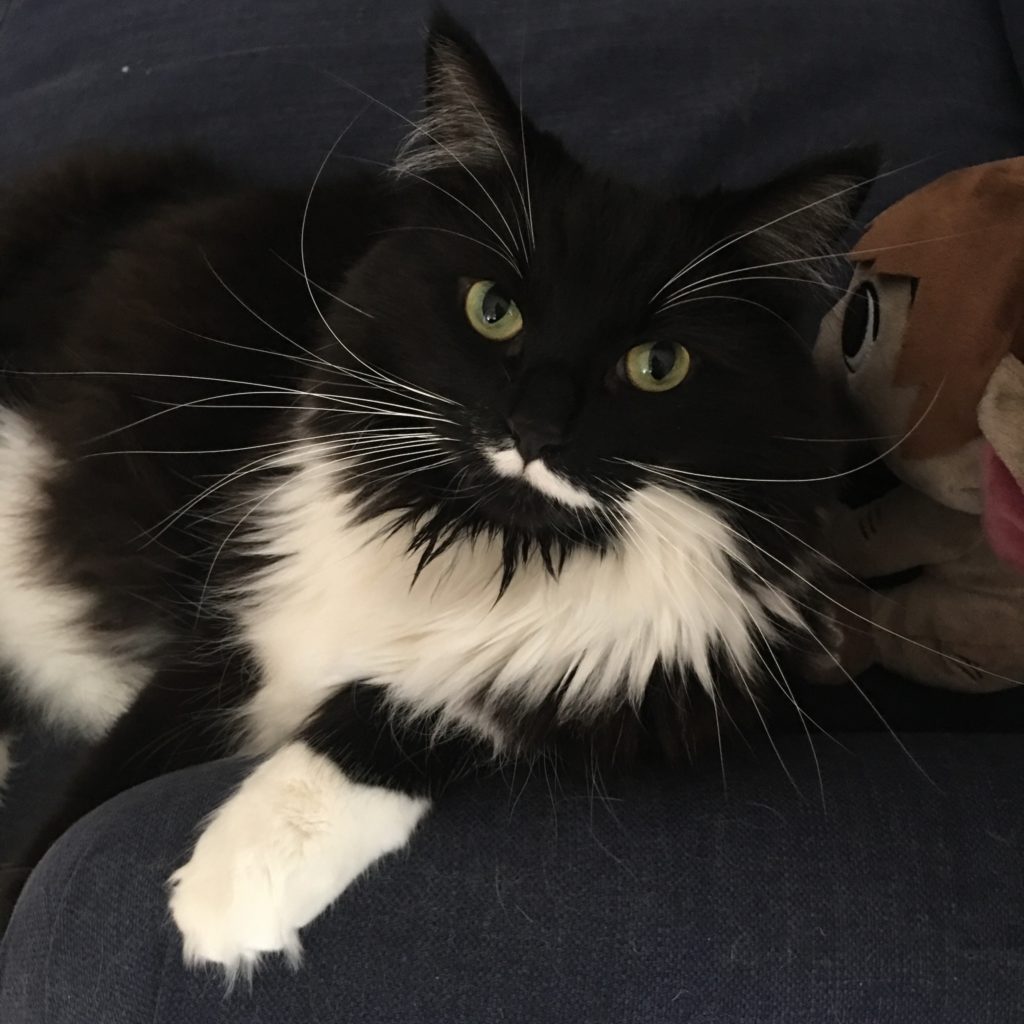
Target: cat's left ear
471,120
806,211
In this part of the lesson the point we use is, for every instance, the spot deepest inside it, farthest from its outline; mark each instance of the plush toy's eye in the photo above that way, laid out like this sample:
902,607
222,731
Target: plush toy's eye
860,325
656,366
492,314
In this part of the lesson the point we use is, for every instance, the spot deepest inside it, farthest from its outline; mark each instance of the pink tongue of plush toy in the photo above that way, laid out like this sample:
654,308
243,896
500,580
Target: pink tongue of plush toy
1004,511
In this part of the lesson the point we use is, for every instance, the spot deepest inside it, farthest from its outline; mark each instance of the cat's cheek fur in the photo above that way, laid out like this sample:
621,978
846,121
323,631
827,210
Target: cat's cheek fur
277,853
6,763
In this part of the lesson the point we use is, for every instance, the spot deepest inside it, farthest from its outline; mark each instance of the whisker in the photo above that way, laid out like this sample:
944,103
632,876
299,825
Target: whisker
511,256
836,256
420,130
504,156
777,675
456,234
319,287
734,239
685,474
678,298
782,563
832,599
376,371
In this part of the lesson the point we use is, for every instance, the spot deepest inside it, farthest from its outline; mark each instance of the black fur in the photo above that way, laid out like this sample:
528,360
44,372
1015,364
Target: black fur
140,294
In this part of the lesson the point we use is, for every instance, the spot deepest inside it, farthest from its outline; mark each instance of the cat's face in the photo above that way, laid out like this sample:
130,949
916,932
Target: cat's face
533,336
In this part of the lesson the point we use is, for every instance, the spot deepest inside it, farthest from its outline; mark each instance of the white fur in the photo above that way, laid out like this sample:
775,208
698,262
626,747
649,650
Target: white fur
277,853
508,462
58,663
339,603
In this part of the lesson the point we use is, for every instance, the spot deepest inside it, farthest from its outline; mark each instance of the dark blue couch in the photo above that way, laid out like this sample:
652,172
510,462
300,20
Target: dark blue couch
886,886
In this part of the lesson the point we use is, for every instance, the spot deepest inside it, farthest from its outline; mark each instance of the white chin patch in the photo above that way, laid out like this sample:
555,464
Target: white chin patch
508,462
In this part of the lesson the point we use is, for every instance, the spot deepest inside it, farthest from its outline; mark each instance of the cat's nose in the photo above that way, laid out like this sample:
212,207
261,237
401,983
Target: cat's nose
535,440
545,406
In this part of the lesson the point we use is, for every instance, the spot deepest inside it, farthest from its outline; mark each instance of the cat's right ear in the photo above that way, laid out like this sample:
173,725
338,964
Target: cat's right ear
470,120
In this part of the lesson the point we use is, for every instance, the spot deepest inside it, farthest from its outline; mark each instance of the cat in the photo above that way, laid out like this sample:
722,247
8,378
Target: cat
489,456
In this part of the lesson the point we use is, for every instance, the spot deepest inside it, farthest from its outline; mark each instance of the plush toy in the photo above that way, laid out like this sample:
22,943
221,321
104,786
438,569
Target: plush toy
928,343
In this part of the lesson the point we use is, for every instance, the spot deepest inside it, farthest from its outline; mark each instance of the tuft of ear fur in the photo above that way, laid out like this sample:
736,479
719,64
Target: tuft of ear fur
470,117
802,214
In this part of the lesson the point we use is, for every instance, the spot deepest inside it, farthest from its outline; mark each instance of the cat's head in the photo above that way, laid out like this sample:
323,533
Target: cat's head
534,340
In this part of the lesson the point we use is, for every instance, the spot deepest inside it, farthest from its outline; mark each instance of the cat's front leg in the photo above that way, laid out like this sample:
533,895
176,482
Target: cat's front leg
305,824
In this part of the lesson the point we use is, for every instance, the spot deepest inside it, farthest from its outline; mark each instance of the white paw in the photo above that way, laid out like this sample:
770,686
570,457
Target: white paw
277,853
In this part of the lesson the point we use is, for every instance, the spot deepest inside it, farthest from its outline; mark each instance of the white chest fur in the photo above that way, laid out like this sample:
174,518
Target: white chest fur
339,604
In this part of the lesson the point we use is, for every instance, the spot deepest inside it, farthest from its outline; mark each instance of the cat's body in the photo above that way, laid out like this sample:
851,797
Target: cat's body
263,488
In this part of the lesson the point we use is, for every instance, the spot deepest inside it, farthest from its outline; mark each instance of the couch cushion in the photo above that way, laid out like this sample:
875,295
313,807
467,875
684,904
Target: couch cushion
709,89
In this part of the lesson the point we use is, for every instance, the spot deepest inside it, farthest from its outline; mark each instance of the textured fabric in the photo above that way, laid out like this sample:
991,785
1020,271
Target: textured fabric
891,894
703,90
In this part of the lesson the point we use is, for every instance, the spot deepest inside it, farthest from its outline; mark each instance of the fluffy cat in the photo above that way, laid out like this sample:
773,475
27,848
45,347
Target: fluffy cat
488,457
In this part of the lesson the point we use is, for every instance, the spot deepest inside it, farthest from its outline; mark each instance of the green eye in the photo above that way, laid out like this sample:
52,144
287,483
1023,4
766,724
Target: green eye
657,366
492,314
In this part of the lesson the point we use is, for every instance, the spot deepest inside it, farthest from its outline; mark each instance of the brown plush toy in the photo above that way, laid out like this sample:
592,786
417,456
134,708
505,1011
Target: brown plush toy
927,343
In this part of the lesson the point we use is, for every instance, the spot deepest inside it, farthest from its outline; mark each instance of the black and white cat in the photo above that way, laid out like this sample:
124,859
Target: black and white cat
490,456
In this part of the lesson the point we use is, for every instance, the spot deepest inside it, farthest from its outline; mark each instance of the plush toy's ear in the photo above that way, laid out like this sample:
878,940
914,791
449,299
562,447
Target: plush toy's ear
805,211
470,120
